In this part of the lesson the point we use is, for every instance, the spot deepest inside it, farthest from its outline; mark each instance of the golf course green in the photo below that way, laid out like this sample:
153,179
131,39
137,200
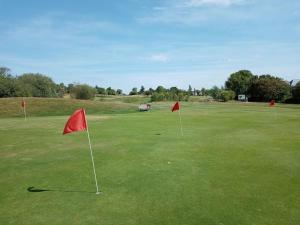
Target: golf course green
236,164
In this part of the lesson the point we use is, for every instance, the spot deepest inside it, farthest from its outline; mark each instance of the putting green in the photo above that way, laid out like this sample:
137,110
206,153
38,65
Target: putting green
235,164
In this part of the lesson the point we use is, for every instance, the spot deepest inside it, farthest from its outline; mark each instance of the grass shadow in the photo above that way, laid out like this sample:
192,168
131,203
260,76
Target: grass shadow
33,189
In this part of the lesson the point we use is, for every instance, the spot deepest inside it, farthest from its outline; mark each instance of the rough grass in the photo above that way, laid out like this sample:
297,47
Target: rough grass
11,107
235,164
137,99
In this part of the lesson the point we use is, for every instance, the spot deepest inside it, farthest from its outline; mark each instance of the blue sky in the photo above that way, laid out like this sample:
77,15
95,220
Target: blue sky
129,43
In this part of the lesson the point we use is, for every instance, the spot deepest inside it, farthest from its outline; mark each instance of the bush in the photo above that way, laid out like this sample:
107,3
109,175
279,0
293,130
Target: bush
157,97
37,85
8,86
83,91
227,95
28,84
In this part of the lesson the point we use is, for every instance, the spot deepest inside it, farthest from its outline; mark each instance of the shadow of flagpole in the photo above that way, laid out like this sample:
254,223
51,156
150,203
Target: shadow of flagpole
33,189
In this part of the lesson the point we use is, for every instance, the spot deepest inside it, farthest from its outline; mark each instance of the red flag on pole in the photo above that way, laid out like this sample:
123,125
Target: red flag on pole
76,122
176,107
272,103
23,104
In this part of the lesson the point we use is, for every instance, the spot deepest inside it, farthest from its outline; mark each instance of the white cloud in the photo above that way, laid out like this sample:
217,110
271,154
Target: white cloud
159,8
197,3
197,12
160,57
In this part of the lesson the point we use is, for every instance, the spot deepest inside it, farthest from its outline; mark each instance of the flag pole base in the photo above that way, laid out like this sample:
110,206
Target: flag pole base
97,193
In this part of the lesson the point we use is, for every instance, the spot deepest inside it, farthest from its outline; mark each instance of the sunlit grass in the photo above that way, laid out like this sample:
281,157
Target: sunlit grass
235,164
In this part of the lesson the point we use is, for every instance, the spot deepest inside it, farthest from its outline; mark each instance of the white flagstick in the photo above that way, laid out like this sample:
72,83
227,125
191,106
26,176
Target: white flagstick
87,129
180,121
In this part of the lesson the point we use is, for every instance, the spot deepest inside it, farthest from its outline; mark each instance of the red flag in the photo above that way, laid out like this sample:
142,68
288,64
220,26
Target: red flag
176,107
76,122
272,103
23,104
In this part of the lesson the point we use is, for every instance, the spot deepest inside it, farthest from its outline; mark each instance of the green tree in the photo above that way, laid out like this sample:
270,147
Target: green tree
119,92
69,87
83,91
142,90
295,94
110,91
214,92
239,82
190,90
37,85
174,90
100,90
160,89
157,97
296,90
268,87
148,92
133,91
8,85
204,92
61,89
4,71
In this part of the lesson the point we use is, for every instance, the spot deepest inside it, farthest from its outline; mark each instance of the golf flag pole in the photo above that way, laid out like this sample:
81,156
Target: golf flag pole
91,150
180,122
78,122
23,104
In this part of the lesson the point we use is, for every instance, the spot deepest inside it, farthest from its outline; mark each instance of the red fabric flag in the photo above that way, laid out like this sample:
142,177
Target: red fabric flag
76,122
272,103
23,104
176,107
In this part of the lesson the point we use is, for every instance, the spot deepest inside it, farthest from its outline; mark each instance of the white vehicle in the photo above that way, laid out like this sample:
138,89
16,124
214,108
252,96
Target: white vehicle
144,107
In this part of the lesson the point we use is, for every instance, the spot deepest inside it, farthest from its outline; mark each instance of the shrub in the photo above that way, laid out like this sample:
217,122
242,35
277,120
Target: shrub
227,95
83,91
37,85
157,97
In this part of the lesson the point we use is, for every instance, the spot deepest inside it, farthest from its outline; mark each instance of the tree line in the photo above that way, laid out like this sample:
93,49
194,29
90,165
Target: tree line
254,87
27,85
262,88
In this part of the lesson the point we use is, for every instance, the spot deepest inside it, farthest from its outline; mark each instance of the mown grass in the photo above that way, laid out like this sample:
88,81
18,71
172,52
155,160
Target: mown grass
235,164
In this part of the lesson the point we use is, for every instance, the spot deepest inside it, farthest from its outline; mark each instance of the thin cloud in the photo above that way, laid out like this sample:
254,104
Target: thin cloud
191,12
198,3
161,57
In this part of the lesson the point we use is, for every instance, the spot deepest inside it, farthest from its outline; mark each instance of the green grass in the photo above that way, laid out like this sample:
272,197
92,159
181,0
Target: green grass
137,99
11,107
236,164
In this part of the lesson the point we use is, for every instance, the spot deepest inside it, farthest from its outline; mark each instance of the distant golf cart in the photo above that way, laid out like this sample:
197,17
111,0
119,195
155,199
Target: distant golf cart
144,107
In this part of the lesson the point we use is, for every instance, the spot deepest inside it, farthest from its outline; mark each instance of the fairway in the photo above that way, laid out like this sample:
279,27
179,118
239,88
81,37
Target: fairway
236,164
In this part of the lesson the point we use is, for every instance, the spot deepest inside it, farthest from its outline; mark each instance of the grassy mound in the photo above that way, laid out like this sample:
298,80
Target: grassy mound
11,107
137,99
